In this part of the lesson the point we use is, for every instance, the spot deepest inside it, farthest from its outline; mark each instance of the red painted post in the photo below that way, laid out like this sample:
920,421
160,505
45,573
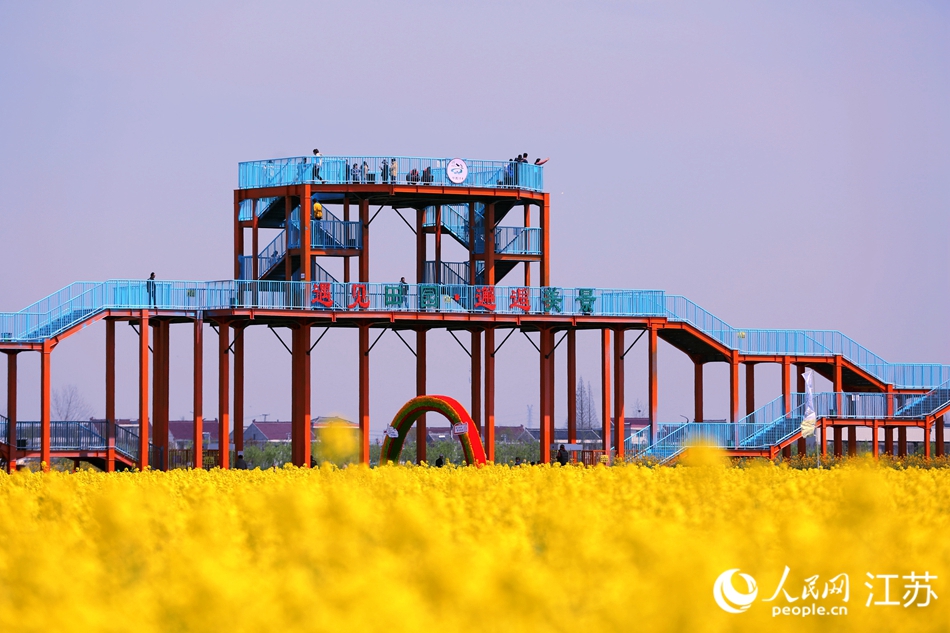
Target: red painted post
364,392
619,415
697,390
749,388
605,388
305,242
551,391
734,387
438,244
490,244
239,387
45,418
787,383
939,422
306,388
927,428
902,441
572,386
364,252
852,440
160,392
421,435
490,393
11,410
875,447
836,434
800,388
653,377
477,380
198,380
224,388
546,240
110,395
545,413
888,441
295,404
255,270
143,391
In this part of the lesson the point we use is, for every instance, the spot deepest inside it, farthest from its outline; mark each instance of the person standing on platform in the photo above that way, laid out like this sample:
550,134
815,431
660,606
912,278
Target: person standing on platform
394,170
317,163
150,287
403,291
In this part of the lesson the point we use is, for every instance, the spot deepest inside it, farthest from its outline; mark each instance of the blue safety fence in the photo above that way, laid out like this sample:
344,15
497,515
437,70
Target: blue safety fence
81,300
386,170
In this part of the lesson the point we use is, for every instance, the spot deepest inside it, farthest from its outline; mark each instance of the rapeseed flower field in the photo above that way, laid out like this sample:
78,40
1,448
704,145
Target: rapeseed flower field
628,548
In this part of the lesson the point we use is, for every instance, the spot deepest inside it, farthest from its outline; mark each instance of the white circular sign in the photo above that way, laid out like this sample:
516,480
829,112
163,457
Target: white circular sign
456,171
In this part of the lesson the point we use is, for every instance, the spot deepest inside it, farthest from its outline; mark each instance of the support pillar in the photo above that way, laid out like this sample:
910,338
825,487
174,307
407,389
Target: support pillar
300,385
571,386
364,392
477,380
198,394
852,440
605,388
823,439
438,244
45,418
652,377
902,441
734,387
749,388
160,392
421,391
490,244
697,390
875,446
306,265
545,241
239,384
420,248
224,396
927,427
489,437
346,260
800,388
364,251
787,384
938,435
546,393
11,411
110,395
836,434
889,441
143,391
618,394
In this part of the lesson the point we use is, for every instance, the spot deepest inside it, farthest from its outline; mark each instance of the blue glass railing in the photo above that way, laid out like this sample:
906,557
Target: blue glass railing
516,240
247,208
77,302
360,170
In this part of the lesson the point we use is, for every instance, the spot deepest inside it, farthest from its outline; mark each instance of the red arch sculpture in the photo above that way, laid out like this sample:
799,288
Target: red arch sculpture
456,414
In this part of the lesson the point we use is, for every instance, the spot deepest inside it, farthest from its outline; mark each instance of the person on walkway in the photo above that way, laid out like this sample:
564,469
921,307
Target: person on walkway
384,171
150,286
403,291
440,462
317,163
240,464
562,456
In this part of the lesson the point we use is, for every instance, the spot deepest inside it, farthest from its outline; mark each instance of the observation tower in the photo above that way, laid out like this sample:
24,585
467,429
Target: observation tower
314,208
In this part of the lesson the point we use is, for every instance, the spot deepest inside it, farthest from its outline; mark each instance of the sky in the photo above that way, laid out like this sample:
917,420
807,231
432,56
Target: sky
784,165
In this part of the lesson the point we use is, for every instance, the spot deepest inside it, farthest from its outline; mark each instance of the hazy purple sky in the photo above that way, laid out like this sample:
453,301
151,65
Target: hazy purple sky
782,166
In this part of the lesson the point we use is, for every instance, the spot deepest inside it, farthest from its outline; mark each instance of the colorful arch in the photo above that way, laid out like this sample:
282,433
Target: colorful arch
456,414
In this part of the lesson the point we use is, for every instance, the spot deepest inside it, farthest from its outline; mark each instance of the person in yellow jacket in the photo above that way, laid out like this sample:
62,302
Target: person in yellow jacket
317,211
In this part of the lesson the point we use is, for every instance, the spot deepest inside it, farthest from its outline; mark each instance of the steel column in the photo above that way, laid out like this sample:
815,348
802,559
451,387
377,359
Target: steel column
875,447
836,435
546,391
852,440
238,237
421,391
11,410
143,391
749,388
653,376
255,270
605,388
619,416
888,441
697,390
110,395
420,248
927,427
800,388
239,386
477,380
438,244
301,433
45,422
938,433
734,387
198,394
364,392
902,441
364,252
572,386
346,259
527,265
306,211
546,241
490,244
160,379
288,269
490,393
224,396
787,384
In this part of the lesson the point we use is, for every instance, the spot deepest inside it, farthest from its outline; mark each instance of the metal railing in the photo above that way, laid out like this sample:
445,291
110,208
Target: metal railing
127,442
77,302
359,170
64,435
517,240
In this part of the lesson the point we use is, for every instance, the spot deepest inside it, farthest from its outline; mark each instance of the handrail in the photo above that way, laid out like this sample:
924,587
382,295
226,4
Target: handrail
61,310
410,170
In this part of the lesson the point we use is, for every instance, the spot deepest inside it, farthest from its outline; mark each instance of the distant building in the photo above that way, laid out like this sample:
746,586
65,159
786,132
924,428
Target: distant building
264,431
